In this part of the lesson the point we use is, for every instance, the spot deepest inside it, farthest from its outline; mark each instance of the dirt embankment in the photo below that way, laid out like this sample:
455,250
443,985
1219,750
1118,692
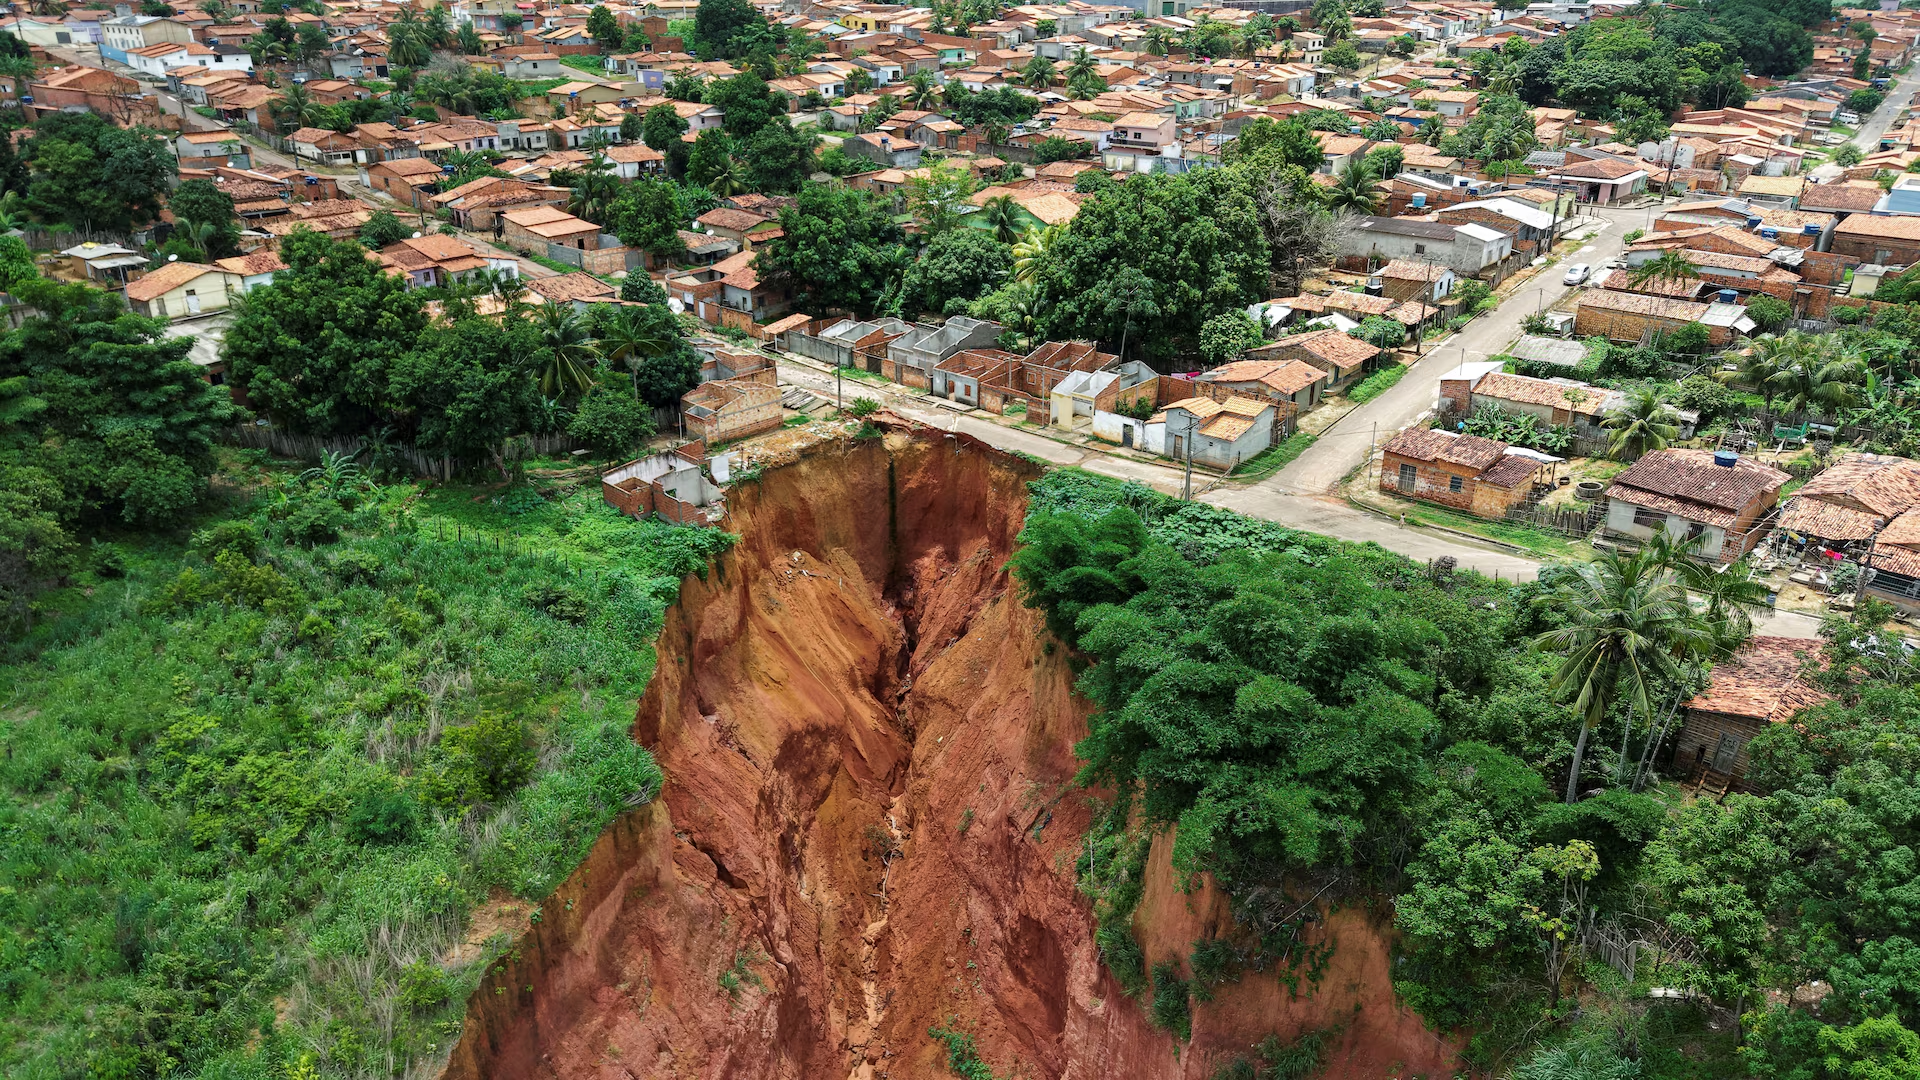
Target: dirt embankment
867,827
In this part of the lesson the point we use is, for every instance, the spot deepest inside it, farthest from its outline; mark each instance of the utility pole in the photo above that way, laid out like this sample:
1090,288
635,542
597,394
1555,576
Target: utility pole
1186,486
836,384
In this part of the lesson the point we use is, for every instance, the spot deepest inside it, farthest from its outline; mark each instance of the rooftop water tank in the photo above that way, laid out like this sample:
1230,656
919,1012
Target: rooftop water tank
1375,284
1419,199
1810,229
1728,296
1726,458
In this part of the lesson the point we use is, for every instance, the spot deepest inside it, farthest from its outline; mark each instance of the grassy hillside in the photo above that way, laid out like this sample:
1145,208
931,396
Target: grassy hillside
252,783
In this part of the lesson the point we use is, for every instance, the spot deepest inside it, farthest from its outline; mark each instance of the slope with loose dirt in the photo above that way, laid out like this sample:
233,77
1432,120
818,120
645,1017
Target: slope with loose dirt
868,827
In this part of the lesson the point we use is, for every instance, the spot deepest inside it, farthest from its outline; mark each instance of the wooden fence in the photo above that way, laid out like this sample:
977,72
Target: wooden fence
421,463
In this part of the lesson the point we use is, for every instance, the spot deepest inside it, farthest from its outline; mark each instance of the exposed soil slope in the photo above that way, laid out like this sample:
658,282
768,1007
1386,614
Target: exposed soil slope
867,827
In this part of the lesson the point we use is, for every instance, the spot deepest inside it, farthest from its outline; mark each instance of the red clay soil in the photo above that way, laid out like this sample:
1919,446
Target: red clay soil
867,828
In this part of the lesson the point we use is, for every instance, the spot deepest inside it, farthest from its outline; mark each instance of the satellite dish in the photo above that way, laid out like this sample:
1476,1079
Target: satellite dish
173,258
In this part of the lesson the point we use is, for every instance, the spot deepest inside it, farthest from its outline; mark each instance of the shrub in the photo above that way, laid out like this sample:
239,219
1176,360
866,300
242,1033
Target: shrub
1634,235
316,519
1705,394
612,423
1171,1008
1471,293
1845,315
963,1054
240,537
863,406
423,985
1769,314
1381,332
486,759
382,815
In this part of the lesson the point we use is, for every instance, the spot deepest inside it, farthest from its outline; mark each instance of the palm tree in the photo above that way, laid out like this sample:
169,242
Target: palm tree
570,355
1767,357
295,108
1672,265
1628,623
630,338
13,215
1038,74
1828,375
1031,252
1083,66
1356,189
726,178
923,93
1158,40
1004,216
1643,423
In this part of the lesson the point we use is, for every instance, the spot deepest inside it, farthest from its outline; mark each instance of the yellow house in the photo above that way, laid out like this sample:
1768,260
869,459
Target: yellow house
182,290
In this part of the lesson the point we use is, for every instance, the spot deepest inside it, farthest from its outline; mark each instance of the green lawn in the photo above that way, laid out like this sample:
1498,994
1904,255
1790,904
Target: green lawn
591,64
1274,458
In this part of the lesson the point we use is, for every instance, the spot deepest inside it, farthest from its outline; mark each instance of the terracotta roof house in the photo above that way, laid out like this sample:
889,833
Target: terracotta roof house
578,288
1762,684
409,180
1853,499
1216,433
182,290
438,260
1484,477
1840,199
1296,380
1719,501
1343,358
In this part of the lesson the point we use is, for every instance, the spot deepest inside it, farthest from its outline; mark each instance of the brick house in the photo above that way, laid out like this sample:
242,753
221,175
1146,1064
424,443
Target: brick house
1556,402
408,180
669,484
1343,358
1719,501
1483,477
536,227
731,409
1885,239
1760,685
1626,316
1404,279
1295,380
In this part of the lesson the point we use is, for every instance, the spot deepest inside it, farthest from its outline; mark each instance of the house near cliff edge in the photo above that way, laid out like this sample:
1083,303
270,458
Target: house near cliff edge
1484,477
1762,684
671,484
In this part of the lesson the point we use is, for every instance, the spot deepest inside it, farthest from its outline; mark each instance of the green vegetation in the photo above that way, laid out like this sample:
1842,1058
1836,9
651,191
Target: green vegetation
590,64
282,762
963,1054
1306,719
1274,458
1376,384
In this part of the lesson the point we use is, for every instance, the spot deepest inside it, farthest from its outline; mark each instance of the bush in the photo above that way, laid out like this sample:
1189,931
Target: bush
423,985
1471,293
613,423
1171,1008
316,519
1689,340
382,815
863,406
1376,384
486,759
1706,395
1845,315
1634,235
1381,332
240,537
1768,313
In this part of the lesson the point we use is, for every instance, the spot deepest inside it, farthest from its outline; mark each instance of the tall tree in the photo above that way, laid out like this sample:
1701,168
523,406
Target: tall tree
839,250
313,350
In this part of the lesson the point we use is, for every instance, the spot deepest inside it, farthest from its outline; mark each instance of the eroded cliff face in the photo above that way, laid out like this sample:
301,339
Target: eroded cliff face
868,828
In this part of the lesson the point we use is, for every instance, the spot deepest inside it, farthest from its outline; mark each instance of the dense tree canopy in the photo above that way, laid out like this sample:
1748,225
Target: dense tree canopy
841,250
87,174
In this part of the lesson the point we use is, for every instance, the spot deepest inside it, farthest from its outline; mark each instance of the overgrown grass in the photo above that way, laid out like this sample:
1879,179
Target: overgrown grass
1275,457
251,794
592,64
1376,384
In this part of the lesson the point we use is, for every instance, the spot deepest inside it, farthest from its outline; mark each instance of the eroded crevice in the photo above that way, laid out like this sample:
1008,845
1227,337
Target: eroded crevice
866,828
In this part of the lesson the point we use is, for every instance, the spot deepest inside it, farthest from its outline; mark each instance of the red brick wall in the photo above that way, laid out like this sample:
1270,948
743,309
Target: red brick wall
1825,267
1456,396
1430,483
1865,248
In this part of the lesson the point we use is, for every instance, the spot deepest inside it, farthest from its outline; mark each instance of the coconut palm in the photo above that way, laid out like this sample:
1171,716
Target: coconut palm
1158,40
1356,189
1672,265
1643,423
1031,252
1038,74
726,177
568,367
1767,357
922,92
1628,624
295,108
1827,376
1082,67
630,337
1004,217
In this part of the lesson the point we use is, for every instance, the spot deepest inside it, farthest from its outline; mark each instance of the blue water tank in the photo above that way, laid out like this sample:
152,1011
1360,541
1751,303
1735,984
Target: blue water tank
1419,199
1726,458
1728,296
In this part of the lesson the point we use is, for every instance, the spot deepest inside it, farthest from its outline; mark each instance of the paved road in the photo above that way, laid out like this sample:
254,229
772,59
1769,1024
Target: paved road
1867,137
1321,514
1347,444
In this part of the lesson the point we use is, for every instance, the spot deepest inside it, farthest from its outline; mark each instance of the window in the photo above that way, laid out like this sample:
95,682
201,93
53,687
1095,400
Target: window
1419,249
1648,519
1407,473
1454,483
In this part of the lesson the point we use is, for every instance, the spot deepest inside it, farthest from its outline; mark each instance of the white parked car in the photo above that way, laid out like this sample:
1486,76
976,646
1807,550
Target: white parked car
1577,274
